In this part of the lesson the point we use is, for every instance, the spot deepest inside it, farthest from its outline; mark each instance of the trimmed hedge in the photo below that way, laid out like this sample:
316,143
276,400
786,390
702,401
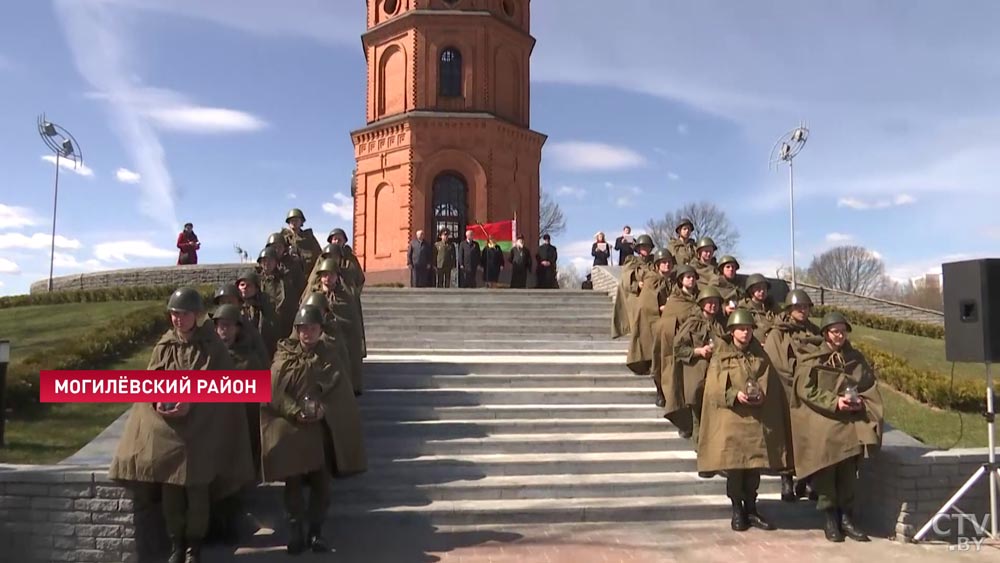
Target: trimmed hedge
125,293
118,338
929,387
880,322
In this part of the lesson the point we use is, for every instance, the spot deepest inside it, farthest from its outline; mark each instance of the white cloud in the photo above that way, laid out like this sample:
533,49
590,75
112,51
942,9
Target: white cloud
990,232
120,251
195,119
67,164
863,205
68,261
765,266
682,129
344,208
838,237
36,241
97,43
571,191
9,267
291,196
673,176
12,217
126,176
589,156
624,201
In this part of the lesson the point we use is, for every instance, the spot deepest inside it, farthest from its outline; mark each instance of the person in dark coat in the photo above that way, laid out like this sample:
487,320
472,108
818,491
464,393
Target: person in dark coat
420,260
493,262
600,250
188,245
625,245
468,261
520,264
546,258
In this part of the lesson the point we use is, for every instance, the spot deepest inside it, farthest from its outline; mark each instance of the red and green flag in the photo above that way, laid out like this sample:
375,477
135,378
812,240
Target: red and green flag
502,233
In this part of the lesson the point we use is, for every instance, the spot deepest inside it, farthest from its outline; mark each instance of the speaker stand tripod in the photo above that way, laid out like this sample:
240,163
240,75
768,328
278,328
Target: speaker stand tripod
990,469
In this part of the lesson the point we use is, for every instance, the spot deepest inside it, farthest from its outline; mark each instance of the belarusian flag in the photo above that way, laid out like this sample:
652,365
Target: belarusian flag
502,233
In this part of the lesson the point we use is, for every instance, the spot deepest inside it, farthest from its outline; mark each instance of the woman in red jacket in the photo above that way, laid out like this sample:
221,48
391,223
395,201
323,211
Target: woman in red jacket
187,243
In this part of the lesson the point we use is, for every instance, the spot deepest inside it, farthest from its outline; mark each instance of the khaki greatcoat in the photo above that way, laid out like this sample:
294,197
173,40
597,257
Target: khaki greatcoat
291,448
822,435
734,435
645,312
208,446
628,292
678,307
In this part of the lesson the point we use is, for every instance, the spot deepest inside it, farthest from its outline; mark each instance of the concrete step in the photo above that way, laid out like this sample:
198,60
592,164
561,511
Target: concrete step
479,365
447,468
400,380
372,410
505,396
471,326
493,427
415,446
420,309
398,338
519,487
423,345
485,300
543,511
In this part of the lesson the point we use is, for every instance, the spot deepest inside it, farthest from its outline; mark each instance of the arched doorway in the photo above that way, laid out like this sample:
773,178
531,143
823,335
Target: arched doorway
449,205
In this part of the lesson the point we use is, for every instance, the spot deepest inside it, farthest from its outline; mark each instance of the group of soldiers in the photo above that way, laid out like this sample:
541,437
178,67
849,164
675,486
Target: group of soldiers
297,313
431,265
757,386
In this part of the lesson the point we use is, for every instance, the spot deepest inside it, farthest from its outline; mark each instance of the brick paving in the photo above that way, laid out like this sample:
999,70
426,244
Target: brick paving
654,542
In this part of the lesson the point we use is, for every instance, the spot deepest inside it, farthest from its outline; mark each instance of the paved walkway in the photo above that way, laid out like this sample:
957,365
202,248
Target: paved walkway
701,542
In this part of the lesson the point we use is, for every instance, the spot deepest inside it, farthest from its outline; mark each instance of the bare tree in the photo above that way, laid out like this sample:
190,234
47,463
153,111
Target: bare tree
709,221
923,295
849,268
568,276
354,182
551,219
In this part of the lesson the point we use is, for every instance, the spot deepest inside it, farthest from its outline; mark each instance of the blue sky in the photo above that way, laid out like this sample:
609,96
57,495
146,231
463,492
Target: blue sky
226,113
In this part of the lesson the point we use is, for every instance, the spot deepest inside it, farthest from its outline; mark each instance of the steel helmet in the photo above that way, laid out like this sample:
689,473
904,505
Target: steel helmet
754,280
833,318
328,265
185,299
684,221
705,242
797,297
227,312
741,317
663,255
317,299
295,213
224,290
727,260
710,292
308,314
645,240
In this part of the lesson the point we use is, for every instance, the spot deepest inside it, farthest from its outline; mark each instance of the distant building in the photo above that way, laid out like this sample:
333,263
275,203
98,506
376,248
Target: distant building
927,281
448,140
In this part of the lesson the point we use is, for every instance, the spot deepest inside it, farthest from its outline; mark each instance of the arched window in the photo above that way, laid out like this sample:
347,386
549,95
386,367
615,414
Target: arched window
449,205
450,73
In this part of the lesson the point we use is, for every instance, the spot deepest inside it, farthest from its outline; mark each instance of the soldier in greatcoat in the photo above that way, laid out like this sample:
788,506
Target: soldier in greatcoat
743,420
292,266
629,285
353,276
258,308
341,306
682,247
693,348
302,241
704,261
656,286
729,283
311,429
278,288
836,419
247,352
760,304
791,334
681,304
193,452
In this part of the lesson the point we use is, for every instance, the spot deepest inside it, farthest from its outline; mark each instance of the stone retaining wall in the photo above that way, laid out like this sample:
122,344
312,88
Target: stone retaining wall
199,274
66,513
606,279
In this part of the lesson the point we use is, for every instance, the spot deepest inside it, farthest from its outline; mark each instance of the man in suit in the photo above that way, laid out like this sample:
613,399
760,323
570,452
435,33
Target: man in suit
469,255
625,245
420,259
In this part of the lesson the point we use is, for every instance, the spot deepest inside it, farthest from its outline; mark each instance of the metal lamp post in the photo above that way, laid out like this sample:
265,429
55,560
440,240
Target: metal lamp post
4,360
784,150
64,145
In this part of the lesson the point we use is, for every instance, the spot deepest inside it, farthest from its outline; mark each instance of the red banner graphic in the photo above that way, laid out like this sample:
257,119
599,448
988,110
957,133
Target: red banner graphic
141,386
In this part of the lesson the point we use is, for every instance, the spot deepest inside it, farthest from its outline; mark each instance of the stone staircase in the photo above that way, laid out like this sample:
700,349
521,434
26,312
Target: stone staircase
511,407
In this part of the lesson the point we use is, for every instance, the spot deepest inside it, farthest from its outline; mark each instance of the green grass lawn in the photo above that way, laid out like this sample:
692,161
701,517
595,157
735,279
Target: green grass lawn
934,427
64,428
37,327
921,352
